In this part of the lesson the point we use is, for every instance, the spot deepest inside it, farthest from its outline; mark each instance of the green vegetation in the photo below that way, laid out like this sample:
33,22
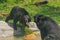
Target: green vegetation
51,9
28,31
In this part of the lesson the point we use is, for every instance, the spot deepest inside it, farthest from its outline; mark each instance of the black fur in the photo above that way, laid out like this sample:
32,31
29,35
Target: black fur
18,14
48,27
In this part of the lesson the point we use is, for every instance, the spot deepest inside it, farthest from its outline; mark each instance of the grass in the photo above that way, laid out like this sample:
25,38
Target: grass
52,9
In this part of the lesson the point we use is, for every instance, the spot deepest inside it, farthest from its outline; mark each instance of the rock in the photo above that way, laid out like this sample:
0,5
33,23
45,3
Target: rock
5,29
33,26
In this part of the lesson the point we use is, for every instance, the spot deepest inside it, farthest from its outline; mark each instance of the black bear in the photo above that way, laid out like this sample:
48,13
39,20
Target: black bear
19,14
48,27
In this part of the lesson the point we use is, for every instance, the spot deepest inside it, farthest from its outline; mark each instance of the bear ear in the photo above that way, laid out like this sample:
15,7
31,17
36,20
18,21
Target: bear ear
43,18
40,16
37,15
47,18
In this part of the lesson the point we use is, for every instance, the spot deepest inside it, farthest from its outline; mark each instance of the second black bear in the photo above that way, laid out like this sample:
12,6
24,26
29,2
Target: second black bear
48,27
